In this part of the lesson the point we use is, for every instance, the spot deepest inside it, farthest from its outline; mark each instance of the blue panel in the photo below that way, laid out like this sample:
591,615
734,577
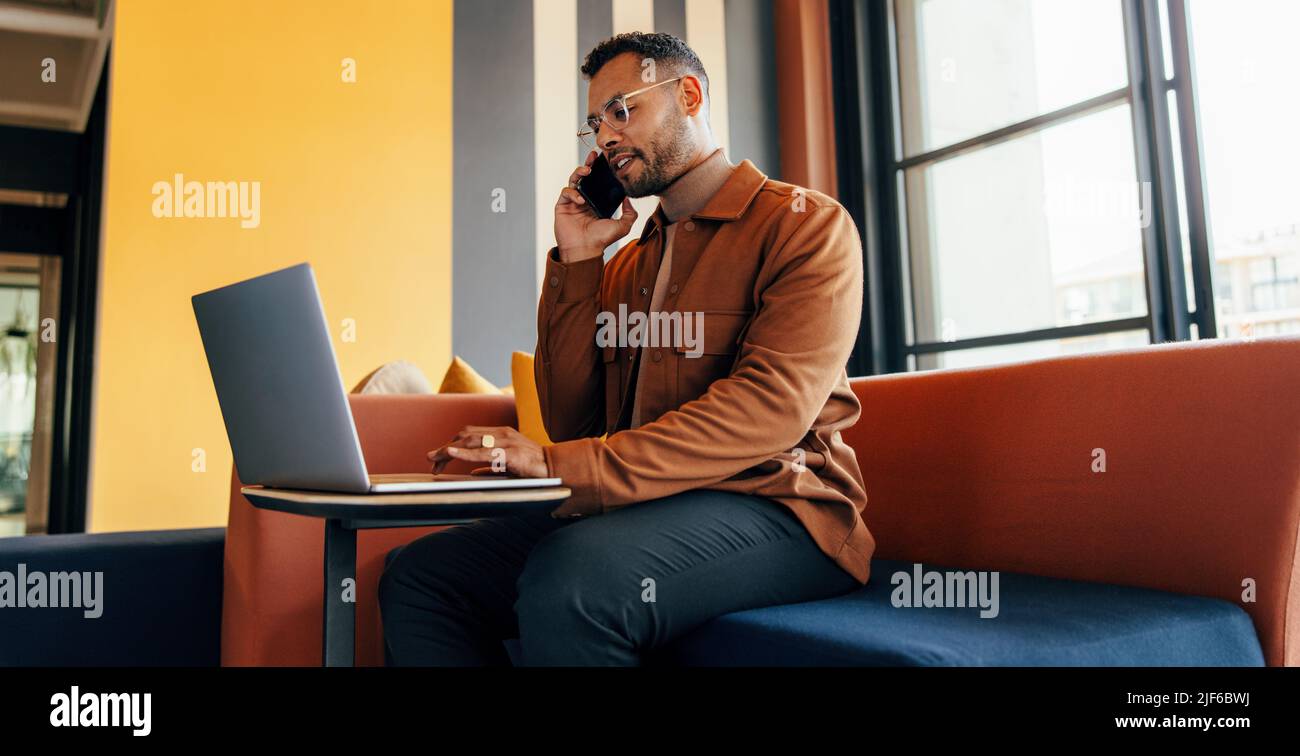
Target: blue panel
160,603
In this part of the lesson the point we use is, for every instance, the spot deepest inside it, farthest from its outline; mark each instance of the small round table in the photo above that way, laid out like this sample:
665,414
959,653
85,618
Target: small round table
345,514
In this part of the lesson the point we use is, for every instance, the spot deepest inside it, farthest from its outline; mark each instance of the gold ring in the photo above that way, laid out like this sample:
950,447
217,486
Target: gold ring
488,441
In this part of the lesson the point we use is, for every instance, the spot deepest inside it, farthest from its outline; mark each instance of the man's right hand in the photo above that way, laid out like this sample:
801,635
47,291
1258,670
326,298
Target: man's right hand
579,232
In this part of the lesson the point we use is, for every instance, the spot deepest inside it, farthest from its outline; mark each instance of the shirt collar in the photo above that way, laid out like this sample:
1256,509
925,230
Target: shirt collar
691,190
727,203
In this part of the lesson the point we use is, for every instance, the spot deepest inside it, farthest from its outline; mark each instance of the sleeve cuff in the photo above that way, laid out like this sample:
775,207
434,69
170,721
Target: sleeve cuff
574,463
572,282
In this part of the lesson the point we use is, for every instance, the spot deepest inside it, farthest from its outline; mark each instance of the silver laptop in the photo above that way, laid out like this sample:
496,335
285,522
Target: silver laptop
282,397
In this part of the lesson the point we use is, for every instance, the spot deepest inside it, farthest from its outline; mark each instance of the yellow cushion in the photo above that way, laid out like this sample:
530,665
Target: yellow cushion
527,407
463,379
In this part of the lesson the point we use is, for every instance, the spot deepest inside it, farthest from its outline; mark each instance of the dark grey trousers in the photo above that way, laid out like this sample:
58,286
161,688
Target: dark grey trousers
599,590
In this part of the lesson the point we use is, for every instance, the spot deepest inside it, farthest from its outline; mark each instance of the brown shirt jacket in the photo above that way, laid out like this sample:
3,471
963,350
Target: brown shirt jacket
776,271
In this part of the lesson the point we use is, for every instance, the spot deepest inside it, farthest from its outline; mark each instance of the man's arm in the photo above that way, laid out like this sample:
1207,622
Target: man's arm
567,367
794,352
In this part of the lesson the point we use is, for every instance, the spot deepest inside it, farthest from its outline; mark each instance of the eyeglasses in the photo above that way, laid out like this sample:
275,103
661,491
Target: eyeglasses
615,113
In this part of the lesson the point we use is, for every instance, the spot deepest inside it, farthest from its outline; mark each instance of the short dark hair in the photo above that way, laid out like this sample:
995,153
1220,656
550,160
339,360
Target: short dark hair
664,49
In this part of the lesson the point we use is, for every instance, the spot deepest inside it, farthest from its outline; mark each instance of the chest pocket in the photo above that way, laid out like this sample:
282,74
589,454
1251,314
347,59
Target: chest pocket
717,336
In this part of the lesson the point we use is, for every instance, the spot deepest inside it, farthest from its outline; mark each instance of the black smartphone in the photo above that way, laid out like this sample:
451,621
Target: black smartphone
601,188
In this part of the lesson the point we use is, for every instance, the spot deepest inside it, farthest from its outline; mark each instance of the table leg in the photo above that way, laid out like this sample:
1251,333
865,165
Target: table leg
339,641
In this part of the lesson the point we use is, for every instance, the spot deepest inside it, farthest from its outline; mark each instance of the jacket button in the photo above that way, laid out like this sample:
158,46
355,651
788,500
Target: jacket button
555,280
690,225
673,289
658,356
644,291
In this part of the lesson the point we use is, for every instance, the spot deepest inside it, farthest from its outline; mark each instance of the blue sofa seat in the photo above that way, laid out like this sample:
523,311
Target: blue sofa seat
1040,622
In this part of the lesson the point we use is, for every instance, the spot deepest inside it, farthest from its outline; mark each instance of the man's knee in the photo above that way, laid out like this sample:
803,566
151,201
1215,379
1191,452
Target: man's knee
392,554
568,572
406,576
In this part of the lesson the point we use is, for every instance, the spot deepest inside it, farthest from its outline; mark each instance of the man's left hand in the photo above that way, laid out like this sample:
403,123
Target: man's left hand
519,454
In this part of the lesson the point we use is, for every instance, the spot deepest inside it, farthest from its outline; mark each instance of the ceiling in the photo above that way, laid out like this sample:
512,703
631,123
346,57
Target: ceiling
79,7
70,33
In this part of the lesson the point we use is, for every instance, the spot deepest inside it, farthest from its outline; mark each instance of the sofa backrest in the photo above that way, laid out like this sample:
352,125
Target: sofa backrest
272,594
1174,466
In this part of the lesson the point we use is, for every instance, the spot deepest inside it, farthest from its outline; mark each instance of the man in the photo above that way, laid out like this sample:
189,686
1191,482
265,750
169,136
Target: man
721,481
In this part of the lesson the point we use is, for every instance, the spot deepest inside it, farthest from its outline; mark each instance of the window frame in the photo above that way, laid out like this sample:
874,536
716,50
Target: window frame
872,168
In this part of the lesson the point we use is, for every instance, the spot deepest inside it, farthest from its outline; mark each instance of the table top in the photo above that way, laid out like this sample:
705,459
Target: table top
407,506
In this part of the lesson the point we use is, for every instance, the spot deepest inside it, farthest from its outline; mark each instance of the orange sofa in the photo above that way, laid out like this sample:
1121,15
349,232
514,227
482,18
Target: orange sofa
996,468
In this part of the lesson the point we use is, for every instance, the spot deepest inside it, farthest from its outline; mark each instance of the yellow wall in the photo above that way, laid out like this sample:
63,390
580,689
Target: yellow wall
355,179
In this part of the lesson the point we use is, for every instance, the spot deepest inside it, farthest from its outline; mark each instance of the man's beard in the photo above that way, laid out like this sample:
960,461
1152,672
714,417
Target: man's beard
668,154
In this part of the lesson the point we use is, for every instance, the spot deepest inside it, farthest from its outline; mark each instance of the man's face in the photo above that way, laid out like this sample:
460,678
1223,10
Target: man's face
657,137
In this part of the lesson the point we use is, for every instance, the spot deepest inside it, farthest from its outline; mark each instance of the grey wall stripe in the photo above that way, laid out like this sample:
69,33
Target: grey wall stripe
751,78
595,23
670,17
494,306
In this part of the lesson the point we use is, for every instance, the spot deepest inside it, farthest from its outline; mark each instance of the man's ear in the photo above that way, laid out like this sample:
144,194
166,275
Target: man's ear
692,94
